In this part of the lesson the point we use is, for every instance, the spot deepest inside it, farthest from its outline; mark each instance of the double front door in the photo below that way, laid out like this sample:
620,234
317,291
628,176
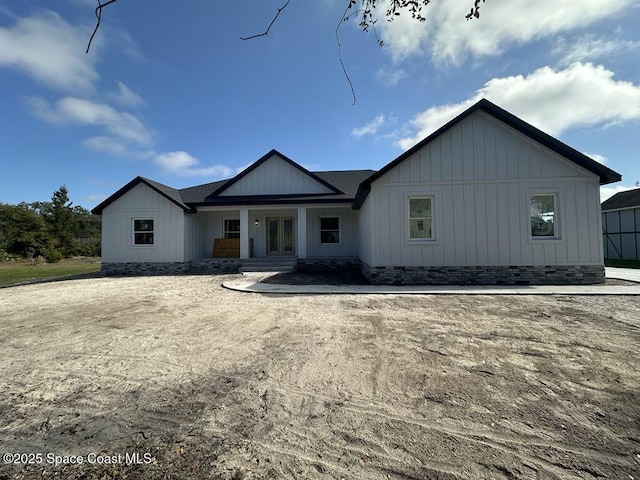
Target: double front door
281,236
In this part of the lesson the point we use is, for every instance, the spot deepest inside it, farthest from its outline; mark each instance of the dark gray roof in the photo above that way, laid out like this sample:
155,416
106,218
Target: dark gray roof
344,182
169,193
628,199
198,193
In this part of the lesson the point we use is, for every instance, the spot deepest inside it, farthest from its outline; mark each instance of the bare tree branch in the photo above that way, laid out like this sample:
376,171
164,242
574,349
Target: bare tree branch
266,32
344,69
99,17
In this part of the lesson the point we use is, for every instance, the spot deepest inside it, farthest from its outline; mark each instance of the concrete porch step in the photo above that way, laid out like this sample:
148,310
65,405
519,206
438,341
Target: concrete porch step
269,264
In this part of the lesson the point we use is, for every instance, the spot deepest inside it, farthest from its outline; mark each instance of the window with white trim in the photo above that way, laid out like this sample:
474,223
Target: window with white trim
420,218
544,215
232,228
329,229
143,231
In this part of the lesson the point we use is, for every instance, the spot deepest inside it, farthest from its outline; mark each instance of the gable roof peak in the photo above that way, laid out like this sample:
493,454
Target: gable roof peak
271,153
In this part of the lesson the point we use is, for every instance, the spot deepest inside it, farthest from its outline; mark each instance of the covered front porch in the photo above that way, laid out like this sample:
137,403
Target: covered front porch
301,231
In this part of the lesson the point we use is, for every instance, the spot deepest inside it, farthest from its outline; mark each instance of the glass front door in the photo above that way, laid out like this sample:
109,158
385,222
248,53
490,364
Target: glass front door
281,236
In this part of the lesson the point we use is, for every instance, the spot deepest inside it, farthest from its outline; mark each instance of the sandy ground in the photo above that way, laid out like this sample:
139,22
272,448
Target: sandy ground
203,382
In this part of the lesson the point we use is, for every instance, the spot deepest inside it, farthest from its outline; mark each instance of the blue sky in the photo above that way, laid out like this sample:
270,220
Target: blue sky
171,93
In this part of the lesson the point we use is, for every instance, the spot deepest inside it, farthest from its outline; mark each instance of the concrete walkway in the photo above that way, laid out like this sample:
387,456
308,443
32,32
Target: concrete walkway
250,282
632,274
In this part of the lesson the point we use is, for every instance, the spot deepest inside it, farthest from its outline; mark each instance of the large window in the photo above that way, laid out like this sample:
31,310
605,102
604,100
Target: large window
420,218
544,219
329,229
143,231
232,228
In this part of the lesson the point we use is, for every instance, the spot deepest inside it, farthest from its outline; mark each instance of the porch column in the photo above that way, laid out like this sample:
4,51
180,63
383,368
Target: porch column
302,232
244,233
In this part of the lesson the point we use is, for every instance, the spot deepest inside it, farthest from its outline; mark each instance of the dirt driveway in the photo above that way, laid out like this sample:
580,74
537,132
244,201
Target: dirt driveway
176,377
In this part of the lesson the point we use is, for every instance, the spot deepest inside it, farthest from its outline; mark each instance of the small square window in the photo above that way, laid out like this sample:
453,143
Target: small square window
329,230
420,218
543,216
143,232
232,228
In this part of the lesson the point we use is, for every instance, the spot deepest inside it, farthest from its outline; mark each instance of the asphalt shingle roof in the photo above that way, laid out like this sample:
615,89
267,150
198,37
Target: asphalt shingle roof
628,199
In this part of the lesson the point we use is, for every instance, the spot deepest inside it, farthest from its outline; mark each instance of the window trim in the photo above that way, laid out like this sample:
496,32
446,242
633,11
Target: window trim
407,218
224,231
557,216
134,231
320,230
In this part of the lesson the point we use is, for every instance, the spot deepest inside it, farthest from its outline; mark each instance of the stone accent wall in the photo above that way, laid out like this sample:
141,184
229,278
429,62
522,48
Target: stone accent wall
205,265
215,265
145,268
328,264
486,275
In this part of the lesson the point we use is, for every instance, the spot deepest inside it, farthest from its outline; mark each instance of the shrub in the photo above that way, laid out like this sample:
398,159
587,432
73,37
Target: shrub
52,255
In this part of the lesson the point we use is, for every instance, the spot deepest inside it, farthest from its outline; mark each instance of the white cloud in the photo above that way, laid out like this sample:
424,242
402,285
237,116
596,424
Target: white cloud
77,111
609,191
597,157
94,198
588,48
448,37
48,49
125,96
554,101
370,128
390,77
113,146
183,164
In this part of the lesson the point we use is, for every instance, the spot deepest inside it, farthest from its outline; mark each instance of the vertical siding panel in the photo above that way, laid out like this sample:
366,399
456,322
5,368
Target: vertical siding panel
479,149
501,152
448,238
460,253
457,154
394,215
514,221
470,214
482,212
490,129
582,222
571,209
420,167
504,254
447,157
468,150
512,157
535,167
493,251
524,157
405,170
436,161
550,253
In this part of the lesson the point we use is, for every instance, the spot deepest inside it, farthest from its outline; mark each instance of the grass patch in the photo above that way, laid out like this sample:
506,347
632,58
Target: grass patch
622,263
13,273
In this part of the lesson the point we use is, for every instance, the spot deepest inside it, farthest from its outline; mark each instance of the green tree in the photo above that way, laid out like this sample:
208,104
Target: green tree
86,233
22,231
61,222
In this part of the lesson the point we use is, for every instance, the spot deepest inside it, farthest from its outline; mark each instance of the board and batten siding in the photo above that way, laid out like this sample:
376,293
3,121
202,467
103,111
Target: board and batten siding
348,246
117,228
275,176
480,174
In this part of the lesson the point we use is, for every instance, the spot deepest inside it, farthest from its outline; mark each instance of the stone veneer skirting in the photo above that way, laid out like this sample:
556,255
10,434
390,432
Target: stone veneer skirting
486,275
415,275
328,264
204,265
